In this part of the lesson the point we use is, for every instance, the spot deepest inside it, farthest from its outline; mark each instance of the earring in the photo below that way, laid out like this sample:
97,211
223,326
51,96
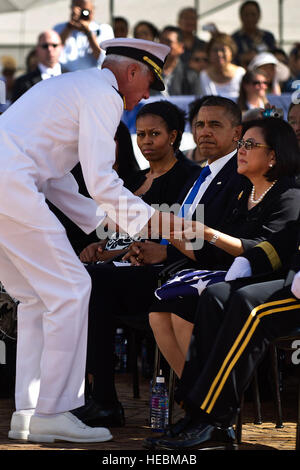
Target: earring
171,143
271,165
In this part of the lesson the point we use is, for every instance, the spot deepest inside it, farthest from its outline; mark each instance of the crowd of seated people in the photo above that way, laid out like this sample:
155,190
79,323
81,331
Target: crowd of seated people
249,194
246,198
268,156
194,66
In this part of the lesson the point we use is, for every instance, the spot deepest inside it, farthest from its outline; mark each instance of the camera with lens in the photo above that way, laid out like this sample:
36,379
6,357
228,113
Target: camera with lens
85,14
273,112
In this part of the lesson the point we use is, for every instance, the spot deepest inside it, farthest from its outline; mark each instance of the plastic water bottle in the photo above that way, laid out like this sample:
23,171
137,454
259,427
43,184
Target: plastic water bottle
159,411
120,351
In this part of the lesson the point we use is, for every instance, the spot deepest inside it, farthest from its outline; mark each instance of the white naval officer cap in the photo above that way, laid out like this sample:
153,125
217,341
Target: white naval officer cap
153,54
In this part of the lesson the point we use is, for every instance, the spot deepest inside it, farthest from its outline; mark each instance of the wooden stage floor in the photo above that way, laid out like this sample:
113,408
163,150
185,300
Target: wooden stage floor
129,438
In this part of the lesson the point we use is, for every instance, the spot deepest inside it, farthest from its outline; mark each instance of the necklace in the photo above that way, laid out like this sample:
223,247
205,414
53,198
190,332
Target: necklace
256,201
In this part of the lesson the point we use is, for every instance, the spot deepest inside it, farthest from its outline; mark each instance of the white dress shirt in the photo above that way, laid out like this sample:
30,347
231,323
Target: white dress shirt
48,72
77,53
215,168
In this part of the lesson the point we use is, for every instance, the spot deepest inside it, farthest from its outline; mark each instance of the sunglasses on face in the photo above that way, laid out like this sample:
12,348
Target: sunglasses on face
46,46
250,144
257,82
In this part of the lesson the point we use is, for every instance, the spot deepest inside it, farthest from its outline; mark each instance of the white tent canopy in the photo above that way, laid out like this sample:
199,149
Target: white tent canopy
13,5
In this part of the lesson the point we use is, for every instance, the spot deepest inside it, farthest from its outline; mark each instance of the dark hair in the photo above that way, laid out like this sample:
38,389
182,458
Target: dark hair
248,77
173,29
153,29
245,4
121,19
280,136
277,50
185,9
230,106
173,116
194,107
199,48
291,107
126,160
295,50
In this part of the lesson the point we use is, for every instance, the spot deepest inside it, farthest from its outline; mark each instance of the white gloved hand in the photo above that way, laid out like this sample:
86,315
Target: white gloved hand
239,268
296,285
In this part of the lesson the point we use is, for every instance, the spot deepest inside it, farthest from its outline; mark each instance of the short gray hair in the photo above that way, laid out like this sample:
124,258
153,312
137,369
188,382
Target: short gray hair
123,60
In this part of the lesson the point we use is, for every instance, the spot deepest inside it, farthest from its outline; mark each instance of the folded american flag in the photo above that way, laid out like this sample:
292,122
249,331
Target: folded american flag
188,282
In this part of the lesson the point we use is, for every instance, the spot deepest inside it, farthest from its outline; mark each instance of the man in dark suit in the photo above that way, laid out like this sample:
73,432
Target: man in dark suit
219,125
235,323
48,50
179,79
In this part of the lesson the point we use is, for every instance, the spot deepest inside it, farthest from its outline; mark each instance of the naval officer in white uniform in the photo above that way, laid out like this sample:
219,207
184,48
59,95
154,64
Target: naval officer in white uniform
43,135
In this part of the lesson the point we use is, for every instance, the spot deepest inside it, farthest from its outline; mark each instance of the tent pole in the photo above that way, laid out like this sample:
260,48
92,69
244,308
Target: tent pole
197,8
280,22
111,11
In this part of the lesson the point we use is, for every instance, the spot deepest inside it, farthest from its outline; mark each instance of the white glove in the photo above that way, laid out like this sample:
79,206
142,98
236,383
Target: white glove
296,285
239,268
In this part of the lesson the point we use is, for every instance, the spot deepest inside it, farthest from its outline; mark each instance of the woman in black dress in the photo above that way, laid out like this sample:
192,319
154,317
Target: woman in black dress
269,157
160,126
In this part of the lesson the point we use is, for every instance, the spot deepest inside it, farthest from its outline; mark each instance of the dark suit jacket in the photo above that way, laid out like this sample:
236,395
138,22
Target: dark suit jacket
280,205
217,199
26,81
226,209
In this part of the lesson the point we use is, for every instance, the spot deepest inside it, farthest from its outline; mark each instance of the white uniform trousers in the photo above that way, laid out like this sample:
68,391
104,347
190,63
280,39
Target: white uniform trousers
40,269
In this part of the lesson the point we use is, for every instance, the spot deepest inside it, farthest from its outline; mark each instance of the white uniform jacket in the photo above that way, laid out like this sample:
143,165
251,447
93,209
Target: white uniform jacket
69,118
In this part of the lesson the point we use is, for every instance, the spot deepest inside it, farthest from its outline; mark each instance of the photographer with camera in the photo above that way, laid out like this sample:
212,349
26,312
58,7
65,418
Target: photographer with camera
81,37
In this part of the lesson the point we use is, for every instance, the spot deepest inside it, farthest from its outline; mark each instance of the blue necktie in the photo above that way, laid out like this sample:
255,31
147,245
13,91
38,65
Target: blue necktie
194,191
191,197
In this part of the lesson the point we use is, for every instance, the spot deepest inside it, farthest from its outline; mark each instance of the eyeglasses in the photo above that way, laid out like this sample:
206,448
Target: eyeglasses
257,82
250,144
46,46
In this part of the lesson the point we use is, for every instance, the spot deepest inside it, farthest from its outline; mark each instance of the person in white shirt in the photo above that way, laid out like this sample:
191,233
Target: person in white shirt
48,50
221,77
59,122
81,37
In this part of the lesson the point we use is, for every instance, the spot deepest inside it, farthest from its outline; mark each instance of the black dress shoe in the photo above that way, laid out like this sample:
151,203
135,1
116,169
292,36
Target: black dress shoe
200,436
171,431
95,415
